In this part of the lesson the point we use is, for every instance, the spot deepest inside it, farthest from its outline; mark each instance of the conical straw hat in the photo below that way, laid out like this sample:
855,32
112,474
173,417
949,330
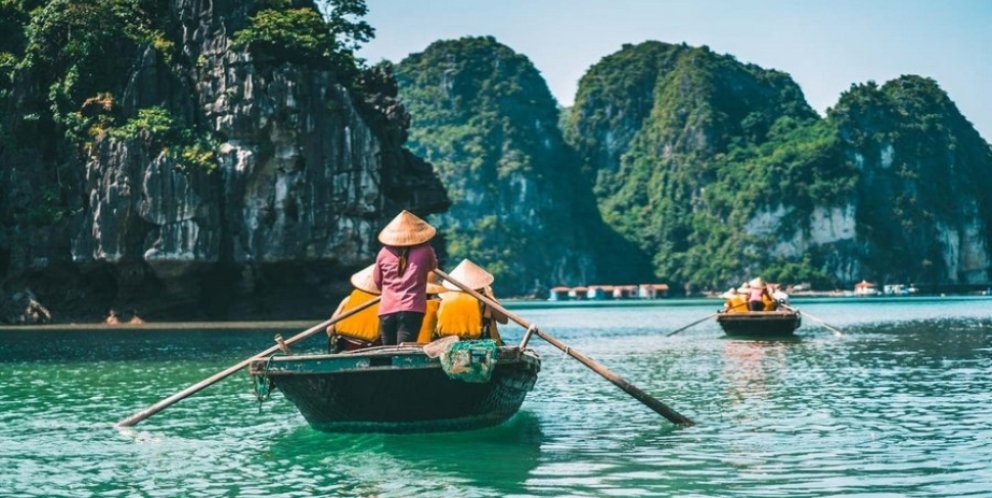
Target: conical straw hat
729,294
757,283
434,284
406,229
470,274
744,288
363,280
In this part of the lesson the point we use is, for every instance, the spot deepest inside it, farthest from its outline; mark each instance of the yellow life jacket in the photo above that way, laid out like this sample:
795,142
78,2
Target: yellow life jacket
769,301
430,321
737,304
363,325
459,314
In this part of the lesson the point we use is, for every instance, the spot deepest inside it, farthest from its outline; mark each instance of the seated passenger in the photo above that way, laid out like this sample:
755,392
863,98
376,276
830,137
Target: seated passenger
461,314
361,329
734,301
781,297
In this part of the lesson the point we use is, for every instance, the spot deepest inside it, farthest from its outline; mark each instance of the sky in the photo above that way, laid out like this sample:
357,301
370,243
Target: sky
825,45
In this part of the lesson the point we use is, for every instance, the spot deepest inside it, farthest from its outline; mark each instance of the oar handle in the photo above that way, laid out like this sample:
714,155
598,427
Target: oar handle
161,405
643,397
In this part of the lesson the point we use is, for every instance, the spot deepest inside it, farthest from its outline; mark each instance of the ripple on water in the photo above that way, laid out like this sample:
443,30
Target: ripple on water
895,407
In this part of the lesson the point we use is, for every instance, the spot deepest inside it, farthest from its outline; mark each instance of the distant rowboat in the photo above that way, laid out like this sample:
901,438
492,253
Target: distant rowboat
760,323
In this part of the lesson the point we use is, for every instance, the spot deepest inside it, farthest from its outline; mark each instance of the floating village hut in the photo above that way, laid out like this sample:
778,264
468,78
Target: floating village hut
608,292
865,288
652,291
559,294
624,292
600,292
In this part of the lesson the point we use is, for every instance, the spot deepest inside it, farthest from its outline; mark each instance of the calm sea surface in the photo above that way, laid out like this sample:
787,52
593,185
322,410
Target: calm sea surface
899,405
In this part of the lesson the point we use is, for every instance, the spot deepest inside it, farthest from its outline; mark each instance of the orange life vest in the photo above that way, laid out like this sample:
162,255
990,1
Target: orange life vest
430,321
364,325
737,304
459,314
769,301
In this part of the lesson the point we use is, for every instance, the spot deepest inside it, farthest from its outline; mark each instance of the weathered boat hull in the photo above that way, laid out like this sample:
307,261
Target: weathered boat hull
398,389
760,323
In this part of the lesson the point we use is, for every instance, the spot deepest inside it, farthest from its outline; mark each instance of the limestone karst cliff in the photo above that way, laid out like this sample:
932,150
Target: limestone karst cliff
718,169
191,177
483,115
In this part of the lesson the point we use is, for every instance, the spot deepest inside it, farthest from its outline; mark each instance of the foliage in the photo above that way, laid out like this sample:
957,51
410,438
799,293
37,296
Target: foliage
159,130
924,163
686,146
305,36
485,118
292,35
712,166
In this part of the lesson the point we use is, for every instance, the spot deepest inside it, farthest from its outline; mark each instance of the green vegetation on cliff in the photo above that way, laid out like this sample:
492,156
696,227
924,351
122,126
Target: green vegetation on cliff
483,115
685,146
70,63
926,173
717,170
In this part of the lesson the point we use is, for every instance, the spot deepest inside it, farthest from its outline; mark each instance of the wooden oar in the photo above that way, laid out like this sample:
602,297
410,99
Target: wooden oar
161,405
701,320
837,332
659,407
697,322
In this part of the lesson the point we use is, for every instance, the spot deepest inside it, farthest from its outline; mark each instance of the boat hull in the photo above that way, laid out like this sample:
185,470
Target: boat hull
760,323
398,389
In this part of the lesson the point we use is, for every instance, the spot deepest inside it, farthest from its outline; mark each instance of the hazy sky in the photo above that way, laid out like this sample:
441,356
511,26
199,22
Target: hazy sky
826,45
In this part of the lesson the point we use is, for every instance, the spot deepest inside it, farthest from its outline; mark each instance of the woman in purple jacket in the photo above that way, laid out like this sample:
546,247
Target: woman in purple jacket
401,270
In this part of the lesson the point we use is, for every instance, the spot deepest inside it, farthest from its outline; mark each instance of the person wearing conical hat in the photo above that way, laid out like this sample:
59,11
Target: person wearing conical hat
401,270
362,328
756,295
434,288
463,315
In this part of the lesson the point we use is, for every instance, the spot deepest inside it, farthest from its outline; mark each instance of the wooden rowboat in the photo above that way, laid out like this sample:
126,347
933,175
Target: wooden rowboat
760,323
399,388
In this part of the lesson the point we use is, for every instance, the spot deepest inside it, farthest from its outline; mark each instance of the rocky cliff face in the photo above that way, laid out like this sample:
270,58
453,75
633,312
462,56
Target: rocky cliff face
718,170
485,118
303,174
924,201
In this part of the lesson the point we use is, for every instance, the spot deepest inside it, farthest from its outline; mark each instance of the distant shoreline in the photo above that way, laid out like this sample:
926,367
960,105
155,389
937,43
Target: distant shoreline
512,304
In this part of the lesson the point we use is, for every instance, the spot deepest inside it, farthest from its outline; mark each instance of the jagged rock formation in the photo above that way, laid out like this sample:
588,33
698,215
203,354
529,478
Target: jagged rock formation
718,169
924,205
305,168
483,115
23,308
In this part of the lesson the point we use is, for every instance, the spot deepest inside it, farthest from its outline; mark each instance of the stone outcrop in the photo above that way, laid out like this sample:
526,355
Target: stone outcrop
22,308
717,170
483,115
306,172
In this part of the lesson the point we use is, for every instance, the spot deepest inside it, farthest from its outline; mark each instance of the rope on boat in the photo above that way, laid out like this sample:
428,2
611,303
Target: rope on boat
263,384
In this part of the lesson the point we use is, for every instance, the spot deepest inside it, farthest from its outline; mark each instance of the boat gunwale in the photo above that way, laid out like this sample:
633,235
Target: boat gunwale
508,356
758,315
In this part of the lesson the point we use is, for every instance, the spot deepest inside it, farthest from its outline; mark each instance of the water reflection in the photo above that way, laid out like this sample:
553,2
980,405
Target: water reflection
501,458
744,371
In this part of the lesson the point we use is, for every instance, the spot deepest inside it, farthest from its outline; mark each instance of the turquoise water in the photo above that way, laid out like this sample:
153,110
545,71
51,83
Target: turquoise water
899,405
